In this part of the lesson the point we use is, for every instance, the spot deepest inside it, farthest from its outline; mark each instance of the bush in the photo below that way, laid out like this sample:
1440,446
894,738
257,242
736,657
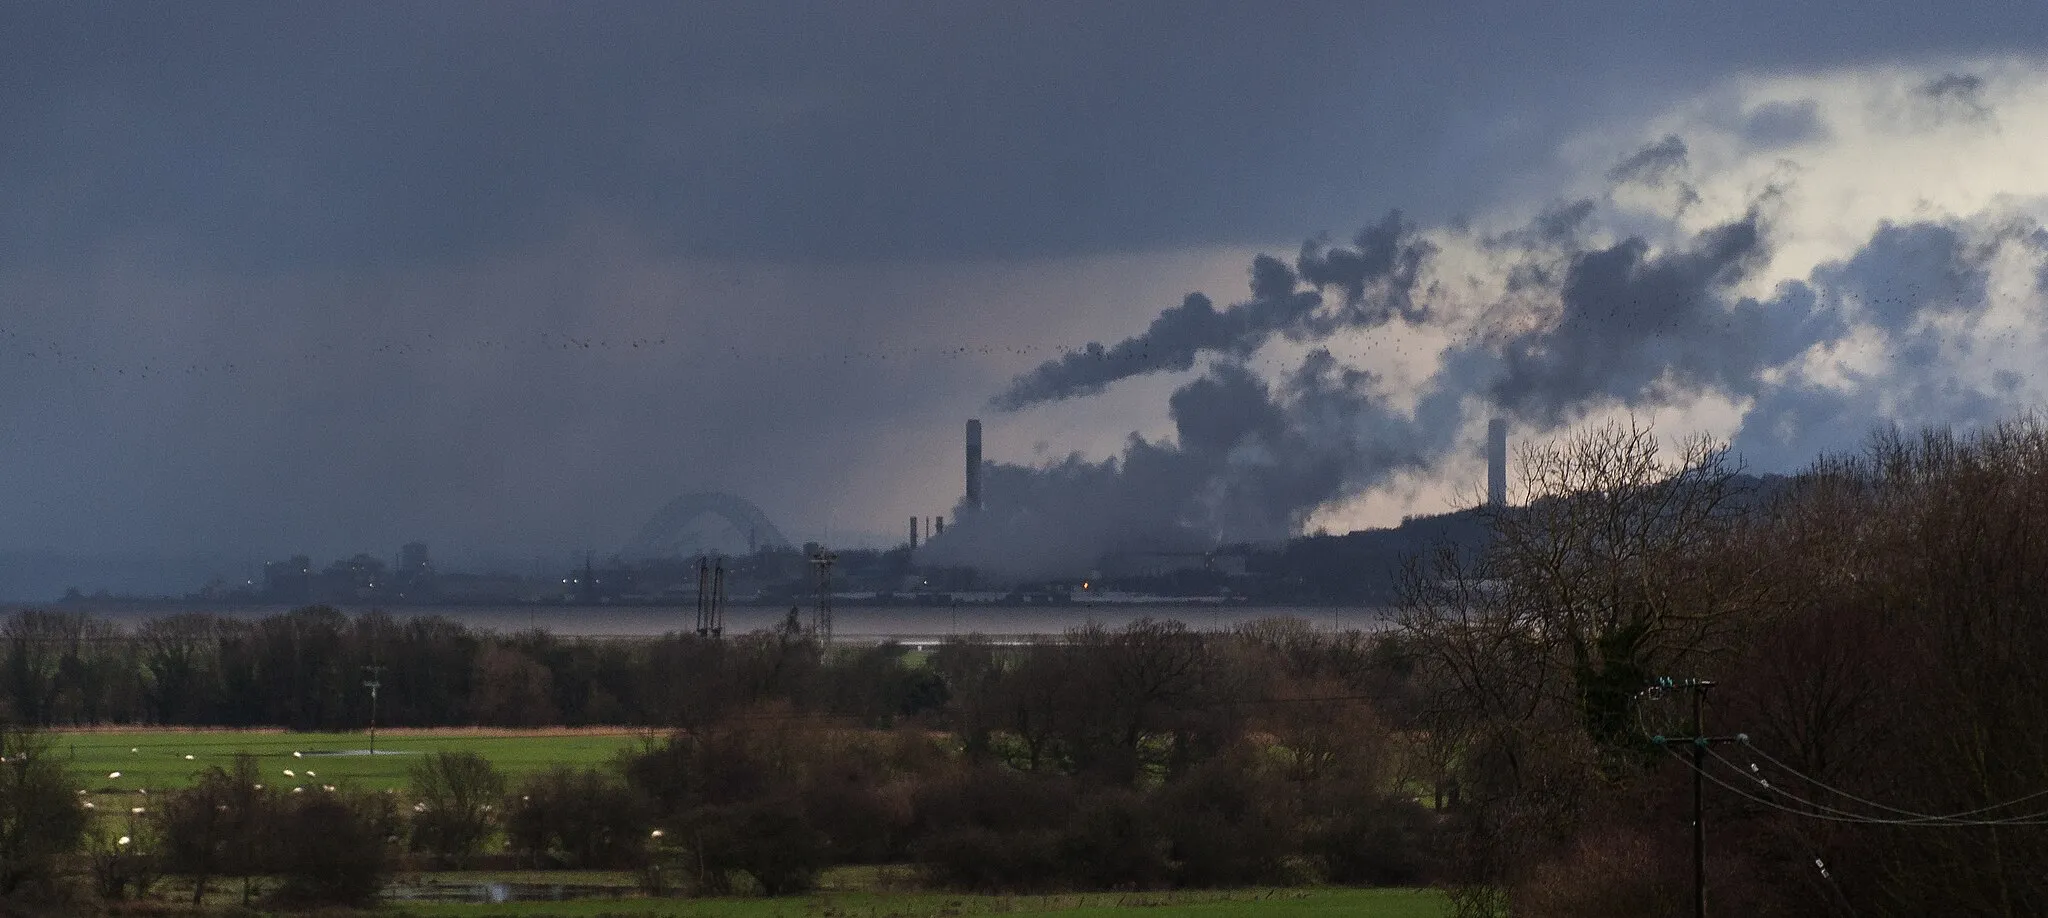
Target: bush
1389,842
1230,823
330,850
768,840
1114,842
994,797
456,795
41,816
984,860
1620,874
580,819
220,826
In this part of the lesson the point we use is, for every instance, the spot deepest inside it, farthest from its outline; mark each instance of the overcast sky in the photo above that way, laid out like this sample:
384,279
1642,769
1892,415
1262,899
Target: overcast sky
507,277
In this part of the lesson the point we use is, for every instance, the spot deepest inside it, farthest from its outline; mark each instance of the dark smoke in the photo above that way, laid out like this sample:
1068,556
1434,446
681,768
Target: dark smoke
1662,166
1655,164
1632,320
1248,463
1373,280
1583,327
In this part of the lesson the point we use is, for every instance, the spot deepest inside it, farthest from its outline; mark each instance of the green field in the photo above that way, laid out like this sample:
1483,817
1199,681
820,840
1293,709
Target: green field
153,759
1281,903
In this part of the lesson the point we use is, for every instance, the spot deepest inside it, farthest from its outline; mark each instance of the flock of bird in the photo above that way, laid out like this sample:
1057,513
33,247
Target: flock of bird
27,350
32,350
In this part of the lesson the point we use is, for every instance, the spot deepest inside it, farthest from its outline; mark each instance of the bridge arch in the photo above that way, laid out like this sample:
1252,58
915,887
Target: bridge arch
661,536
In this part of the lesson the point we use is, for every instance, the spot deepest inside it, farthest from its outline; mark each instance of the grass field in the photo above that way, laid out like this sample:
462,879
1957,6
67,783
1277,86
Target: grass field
158,758
1281,903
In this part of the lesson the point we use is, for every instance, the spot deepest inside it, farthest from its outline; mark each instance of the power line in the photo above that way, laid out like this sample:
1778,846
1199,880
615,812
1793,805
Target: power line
1816,782
1833,814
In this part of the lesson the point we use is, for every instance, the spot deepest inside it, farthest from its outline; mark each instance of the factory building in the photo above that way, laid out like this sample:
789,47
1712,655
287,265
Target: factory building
973,464
1497,462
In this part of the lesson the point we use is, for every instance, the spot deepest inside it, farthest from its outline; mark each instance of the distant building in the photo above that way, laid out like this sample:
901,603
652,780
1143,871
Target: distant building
359,578
290,580
413,579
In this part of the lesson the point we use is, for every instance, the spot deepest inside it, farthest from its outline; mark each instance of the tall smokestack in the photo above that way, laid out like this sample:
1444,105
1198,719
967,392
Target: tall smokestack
974,464
913,533
1497,463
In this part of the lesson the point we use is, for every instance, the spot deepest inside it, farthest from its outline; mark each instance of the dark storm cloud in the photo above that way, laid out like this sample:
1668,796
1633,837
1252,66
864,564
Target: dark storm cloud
1783,124
337,134
257,207
1373,280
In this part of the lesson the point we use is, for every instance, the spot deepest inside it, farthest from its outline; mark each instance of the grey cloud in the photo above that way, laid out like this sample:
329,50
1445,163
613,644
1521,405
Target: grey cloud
1959,94
308,133
1655,164
331,156
1904,274
1783,124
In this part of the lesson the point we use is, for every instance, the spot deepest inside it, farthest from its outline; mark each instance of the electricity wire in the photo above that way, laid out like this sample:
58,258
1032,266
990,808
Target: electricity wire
1816,782
1830,814
1914,817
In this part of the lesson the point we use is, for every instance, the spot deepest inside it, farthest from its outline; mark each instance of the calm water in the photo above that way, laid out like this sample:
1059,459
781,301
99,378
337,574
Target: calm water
850,622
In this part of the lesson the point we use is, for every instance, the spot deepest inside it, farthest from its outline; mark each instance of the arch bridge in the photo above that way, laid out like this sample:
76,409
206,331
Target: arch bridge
663,535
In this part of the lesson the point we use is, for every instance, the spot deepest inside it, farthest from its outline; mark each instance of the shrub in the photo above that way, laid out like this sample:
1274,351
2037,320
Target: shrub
330,850
1229,822
580,819
1114,842
985,860
456,795
1389,842
1619,874
220,826
767,840
41,817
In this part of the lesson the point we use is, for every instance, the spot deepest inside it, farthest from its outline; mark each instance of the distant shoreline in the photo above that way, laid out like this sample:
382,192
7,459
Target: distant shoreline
904,623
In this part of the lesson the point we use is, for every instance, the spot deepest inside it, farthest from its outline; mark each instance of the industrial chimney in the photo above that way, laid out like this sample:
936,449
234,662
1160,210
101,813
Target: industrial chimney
1497,463
913,533
974,464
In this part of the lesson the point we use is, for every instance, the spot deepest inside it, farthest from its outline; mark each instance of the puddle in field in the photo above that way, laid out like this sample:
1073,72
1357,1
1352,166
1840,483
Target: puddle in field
499,892
335,752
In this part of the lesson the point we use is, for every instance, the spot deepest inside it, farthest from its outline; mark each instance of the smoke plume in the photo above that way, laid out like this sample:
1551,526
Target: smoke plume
1371,281
1926,317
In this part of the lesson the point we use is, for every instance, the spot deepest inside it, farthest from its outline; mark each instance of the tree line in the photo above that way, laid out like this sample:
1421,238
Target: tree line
1140,757
1873,629
304,670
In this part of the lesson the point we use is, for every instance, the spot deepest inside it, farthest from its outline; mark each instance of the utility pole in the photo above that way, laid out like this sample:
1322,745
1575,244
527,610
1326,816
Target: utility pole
718,599
1699,814
1700,741
821,622
703,597
373,683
